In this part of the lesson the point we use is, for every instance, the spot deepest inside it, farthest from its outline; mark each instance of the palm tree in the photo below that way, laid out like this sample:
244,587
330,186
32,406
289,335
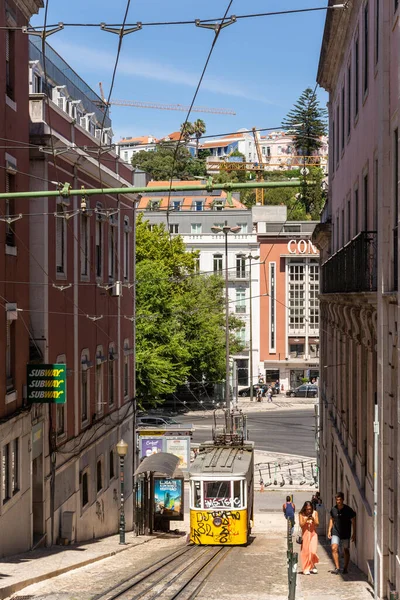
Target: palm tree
198,129
186,130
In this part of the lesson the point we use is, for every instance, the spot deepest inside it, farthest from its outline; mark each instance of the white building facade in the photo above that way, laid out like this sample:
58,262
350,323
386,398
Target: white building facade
192,217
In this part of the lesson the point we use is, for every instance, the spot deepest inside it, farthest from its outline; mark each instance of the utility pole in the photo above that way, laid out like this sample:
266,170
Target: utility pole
226,230
251,258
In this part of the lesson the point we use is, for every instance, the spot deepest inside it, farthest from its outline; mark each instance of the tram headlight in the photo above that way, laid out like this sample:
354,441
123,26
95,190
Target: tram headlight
217,521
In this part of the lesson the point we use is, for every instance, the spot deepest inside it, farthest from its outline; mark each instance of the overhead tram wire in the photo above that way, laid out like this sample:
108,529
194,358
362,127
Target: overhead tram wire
107,104
92,318
342,5
26,146
216,36
47,99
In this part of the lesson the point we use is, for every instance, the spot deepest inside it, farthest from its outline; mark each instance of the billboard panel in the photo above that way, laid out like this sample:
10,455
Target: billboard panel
180,447
168,498
150,445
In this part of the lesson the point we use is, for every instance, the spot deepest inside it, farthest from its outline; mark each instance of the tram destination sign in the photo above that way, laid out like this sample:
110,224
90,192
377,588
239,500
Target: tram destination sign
47,384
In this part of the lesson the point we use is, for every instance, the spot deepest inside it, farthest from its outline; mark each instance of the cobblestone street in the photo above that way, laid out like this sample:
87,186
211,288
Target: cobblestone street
257,571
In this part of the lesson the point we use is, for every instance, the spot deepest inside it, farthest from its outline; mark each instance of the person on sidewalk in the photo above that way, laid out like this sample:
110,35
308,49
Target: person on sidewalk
289,510
309,521
269,394
342,521
316,499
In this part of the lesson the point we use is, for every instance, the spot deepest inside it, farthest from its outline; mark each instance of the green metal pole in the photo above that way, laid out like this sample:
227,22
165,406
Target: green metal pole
293,577
66,191
122,511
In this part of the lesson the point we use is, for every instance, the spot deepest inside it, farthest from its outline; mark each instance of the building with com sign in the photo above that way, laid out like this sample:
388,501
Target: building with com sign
289,307
358,239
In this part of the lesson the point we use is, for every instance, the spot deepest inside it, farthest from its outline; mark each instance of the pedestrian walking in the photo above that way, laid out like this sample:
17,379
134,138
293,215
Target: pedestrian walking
259,395
316,499
269,394
342,529
289,510
309,521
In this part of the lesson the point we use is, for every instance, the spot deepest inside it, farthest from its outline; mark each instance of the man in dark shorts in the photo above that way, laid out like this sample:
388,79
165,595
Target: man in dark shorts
343,519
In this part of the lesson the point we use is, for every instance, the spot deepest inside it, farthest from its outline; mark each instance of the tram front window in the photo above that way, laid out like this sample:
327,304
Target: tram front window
217,494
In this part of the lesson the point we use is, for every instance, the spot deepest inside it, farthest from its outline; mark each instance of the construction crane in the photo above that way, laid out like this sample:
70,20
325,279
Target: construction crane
182,107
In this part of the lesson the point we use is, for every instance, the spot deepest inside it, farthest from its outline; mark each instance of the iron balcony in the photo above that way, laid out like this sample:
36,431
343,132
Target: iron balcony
353,268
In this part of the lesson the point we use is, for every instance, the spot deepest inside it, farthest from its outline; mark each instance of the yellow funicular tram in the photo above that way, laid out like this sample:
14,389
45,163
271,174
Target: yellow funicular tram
221,485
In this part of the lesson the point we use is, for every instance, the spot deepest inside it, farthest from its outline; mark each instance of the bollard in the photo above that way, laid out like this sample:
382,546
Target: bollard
293,577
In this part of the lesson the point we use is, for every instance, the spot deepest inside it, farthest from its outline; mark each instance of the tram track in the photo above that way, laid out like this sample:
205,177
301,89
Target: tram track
177,577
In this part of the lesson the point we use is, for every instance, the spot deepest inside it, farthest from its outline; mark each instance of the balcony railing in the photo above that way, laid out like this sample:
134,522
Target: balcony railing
352,269
238,274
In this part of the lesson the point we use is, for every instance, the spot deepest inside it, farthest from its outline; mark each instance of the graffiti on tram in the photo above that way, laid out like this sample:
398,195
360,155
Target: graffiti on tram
218,527
221,502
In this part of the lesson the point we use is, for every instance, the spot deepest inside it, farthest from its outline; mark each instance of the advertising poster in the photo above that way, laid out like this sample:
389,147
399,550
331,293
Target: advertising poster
180,447
150,446
168,498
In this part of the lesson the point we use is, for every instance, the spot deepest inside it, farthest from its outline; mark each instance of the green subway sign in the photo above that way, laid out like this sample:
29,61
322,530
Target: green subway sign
47,383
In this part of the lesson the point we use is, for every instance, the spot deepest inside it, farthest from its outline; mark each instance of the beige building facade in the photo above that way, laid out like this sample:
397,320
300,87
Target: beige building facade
358,241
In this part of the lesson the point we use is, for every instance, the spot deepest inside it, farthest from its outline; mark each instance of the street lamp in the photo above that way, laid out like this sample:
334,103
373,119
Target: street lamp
226,230
251,257
122,449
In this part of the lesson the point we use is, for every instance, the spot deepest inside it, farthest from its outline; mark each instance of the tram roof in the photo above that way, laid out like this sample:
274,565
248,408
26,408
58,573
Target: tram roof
221,460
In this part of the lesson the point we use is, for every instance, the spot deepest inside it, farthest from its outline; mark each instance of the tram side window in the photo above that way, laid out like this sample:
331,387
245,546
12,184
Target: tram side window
196,491
238,499
217,494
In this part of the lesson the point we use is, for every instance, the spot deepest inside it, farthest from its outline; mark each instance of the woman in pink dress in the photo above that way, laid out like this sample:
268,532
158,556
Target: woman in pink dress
308,520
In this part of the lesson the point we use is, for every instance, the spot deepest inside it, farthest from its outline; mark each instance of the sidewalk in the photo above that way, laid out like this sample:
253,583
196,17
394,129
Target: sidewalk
258,571
21,570
328,586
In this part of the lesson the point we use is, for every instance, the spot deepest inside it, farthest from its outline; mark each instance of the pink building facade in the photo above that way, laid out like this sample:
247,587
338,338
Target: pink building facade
358,240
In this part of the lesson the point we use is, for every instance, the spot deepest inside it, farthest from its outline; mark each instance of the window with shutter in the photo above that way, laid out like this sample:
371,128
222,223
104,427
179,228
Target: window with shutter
99,247
10,356
126,247
85,246
10,210
60,240
111,248
10,45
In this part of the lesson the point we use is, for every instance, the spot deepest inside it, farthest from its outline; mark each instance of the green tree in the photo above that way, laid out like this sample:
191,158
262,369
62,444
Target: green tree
169,161
198,129
180,322
308,122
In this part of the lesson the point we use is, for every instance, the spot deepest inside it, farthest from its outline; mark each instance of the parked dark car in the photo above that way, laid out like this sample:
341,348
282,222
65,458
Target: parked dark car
307,390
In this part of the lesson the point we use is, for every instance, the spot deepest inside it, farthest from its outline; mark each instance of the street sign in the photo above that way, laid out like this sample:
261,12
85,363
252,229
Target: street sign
47,383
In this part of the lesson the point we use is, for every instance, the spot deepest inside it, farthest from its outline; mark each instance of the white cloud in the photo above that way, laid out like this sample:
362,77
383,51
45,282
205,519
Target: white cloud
98,60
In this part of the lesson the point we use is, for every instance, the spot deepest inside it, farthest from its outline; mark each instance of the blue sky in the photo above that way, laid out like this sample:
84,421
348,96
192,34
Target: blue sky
259,67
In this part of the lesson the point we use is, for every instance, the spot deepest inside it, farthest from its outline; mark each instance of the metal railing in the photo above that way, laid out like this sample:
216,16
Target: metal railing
238,274
353,268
